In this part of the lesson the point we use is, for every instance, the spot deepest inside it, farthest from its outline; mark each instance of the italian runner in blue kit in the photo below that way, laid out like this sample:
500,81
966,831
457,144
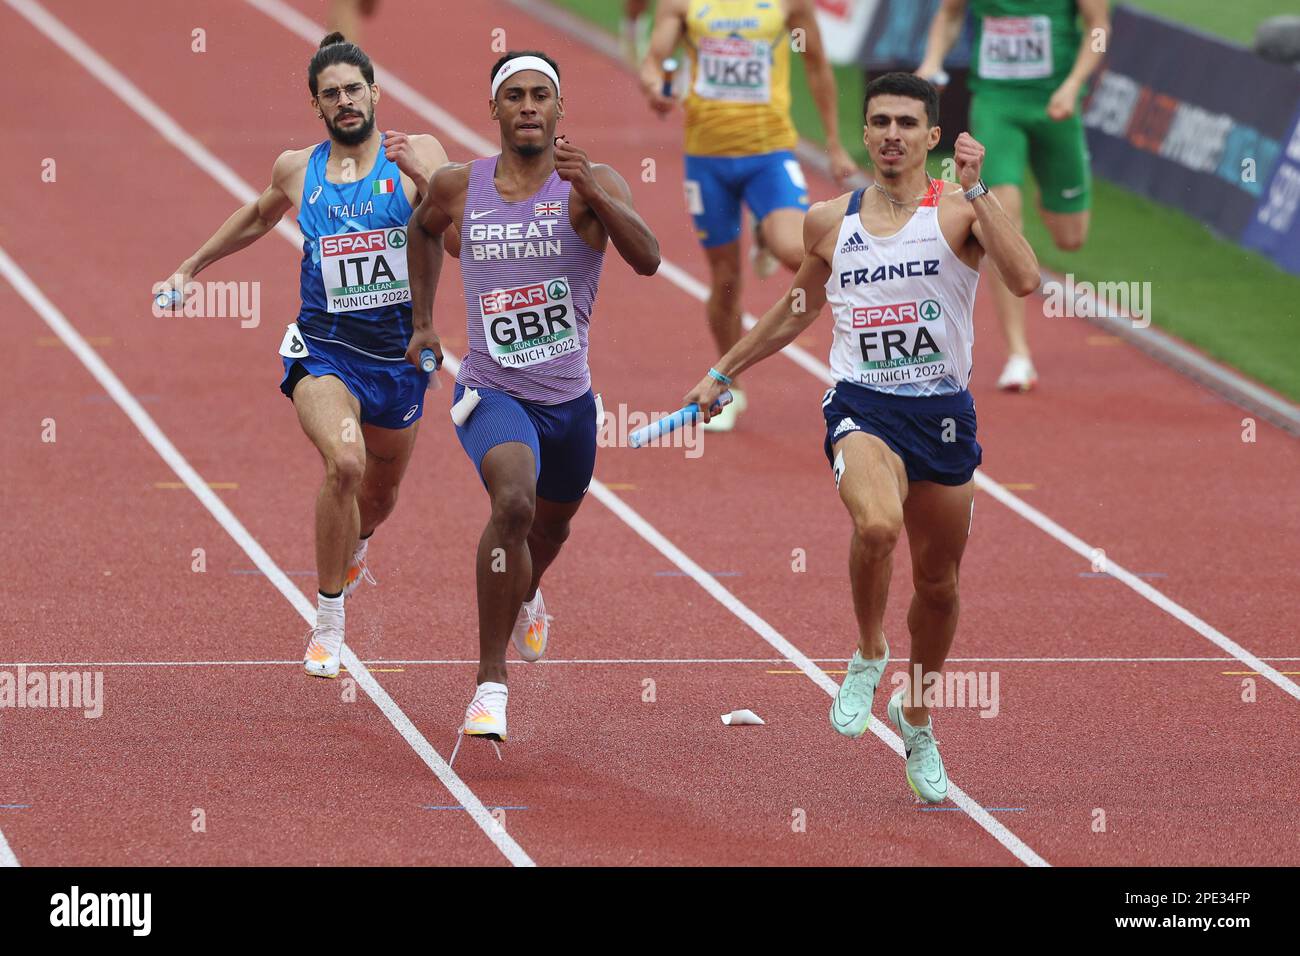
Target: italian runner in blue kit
344,359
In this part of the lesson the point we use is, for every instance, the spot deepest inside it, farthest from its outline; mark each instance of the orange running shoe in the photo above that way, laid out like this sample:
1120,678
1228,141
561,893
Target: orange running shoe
323,648
532,628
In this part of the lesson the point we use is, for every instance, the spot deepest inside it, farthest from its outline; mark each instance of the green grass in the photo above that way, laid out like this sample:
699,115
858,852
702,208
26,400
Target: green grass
1233,304
1232,19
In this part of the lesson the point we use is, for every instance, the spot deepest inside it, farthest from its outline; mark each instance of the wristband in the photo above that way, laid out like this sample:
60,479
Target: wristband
974,193
719,377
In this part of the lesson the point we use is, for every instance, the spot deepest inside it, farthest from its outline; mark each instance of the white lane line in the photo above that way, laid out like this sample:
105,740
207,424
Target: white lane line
309,31
7,857
403,93
149,111
636,660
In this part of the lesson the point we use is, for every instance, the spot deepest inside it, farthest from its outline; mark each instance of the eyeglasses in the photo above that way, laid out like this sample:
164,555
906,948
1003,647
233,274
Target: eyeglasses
331,95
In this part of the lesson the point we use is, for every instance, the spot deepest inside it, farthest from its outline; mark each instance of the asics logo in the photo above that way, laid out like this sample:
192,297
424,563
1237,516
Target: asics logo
312,199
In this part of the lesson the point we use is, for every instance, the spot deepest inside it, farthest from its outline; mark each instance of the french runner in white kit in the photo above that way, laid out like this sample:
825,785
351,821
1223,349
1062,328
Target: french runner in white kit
533,226
899,263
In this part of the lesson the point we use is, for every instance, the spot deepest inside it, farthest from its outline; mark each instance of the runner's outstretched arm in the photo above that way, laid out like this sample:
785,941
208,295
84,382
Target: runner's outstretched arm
246,225
781,324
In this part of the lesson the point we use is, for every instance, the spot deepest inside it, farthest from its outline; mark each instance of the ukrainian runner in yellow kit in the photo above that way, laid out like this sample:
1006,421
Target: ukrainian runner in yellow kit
740,138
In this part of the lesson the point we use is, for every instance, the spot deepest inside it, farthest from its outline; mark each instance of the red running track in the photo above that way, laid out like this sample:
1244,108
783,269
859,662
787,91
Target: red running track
1120,451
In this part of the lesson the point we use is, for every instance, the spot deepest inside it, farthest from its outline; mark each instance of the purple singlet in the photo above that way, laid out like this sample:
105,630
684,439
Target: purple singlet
530,283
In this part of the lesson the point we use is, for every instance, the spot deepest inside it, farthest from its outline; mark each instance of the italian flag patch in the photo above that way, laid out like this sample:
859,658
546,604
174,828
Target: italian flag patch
383,186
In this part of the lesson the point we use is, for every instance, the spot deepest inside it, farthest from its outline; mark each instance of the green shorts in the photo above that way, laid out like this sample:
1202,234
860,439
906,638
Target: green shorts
1014,127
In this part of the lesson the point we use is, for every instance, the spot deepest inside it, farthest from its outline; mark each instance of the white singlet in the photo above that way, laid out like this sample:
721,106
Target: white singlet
903,305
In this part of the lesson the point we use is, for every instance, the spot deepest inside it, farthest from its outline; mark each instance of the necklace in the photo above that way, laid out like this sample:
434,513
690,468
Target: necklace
929,186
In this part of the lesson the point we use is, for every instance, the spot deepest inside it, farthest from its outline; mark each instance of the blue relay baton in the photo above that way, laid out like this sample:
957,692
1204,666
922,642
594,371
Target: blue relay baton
165,300
670,423
669,67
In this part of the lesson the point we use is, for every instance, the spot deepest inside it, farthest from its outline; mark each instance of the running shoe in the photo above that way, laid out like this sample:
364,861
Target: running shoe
725,420
324,645
358,570
925,773
532,627
486,714
1018,375
851,708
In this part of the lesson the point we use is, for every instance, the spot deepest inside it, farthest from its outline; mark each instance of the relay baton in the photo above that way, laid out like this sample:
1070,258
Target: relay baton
165,300
670,423
429,362
669,67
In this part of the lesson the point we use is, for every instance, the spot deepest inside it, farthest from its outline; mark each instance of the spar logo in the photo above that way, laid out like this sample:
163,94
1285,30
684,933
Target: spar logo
875,316
900,313
520,321
504,300
350,243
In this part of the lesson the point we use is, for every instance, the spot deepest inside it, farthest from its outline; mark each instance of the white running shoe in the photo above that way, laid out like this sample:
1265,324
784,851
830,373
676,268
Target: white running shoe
323,648
532,628
486,714
725,420
358,570
1018,375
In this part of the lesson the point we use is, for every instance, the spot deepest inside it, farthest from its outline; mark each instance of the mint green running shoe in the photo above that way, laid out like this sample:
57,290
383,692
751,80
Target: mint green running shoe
925,773
851,708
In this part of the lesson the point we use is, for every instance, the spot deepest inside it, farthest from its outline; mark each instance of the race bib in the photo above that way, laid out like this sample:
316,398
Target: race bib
902,342
1016,48
733,70
529,324
364,270
293,345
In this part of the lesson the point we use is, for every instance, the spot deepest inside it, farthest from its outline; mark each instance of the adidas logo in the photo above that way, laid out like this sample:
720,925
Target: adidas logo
855,243
845,425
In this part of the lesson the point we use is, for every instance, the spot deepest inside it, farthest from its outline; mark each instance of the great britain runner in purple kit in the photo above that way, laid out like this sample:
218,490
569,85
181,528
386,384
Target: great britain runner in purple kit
530,226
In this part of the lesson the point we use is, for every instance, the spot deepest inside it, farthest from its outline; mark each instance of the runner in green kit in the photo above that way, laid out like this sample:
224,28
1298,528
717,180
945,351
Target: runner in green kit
1030,60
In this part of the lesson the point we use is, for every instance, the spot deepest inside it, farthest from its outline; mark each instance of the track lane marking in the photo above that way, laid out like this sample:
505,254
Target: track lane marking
150,112
645,660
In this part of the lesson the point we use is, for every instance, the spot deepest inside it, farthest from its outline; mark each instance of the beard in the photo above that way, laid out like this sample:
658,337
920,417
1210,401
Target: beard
530,149
352,137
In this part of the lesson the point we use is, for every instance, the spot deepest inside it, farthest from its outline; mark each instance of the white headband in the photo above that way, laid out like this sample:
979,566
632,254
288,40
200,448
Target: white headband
510,67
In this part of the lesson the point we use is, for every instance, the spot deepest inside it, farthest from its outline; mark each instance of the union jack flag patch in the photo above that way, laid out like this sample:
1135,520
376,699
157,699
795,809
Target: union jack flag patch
547,209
